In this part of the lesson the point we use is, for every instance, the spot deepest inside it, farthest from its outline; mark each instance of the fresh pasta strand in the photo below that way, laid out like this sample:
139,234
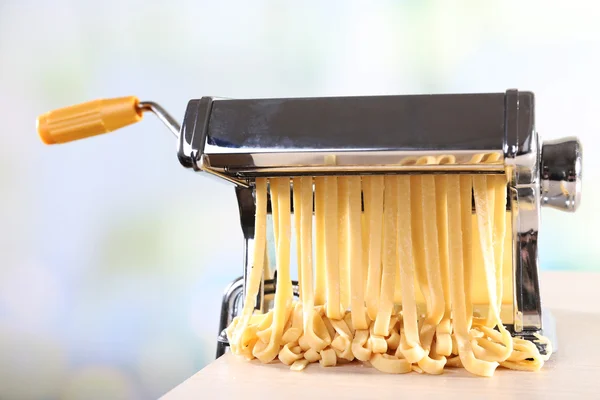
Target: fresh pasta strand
410,343
356,243
306,263
499,184
320,240
466,193
297,181
374,199
365,185
427,265
433,288
443,332
256,273
283,294
390,257
490,200
274,195
343,217
331,249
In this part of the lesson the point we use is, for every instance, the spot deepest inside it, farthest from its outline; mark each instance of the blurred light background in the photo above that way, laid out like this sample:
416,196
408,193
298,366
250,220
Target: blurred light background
114,258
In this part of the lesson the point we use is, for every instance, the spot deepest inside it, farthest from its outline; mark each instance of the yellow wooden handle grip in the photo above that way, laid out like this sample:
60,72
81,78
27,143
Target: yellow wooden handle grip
88,119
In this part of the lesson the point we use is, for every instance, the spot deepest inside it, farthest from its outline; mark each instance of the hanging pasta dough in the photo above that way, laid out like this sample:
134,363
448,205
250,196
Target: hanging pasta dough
390,283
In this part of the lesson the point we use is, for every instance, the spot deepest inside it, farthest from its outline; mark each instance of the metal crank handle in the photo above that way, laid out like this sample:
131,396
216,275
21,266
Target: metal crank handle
97,117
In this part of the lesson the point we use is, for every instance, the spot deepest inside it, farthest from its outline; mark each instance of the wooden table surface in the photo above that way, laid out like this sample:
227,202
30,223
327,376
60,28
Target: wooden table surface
574,371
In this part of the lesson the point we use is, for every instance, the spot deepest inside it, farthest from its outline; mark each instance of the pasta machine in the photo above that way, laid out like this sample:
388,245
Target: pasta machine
240,140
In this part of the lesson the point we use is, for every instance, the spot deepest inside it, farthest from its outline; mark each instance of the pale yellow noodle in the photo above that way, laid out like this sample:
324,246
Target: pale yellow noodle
312,355
299,365
320,278
267,273
444,329
254,280
331,249
357,277
328,358
303,208
360,346
343,241
490,199
283,295
374,199
266,321
398,282
377,342
348,321
389,256
482,194
273,189
322,336
389,364
459,221
294,328
404,350
328,325
365,233
466,197
499,231
436,306
308,295
342,328
393,339
287,356
416,196
430,278
413,350
297,181
416,369
342,347
443,334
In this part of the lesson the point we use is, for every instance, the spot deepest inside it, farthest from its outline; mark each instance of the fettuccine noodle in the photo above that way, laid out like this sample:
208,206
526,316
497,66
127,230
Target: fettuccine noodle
389,283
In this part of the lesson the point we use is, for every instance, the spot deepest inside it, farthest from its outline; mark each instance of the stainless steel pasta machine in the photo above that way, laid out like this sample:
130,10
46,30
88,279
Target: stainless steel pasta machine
240,140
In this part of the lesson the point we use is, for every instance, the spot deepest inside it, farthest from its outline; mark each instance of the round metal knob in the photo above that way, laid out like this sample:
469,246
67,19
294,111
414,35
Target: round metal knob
561,174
